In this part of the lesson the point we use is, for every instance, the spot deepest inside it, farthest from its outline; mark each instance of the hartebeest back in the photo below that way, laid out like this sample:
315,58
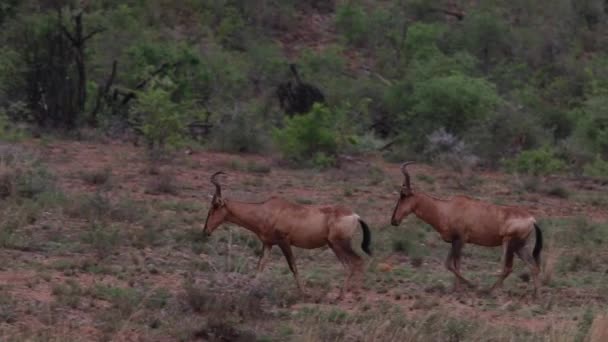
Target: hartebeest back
462,220
280,222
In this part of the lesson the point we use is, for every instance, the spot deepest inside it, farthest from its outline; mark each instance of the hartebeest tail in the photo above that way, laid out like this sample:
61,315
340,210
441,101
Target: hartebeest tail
277,221
461,220
538,246
367,237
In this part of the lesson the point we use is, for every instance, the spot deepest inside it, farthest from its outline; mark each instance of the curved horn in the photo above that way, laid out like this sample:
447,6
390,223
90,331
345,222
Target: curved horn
218,188
406,182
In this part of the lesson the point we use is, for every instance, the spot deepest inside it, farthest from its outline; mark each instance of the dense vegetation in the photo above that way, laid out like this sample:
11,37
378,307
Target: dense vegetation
516,84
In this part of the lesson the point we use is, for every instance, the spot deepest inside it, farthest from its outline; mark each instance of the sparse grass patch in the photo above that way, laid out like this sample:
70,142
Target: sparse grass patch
254,167
376,175
8,308
408,242
425,178
104,239
164,183
91,207
22,175
98,207
68,294
192,236
158,299
238,303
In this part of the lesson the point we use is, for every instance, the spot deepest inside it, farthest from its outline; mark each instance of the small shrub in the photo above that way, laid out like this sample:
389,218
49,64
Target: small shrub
97,177
305,201
352,22
22,175
323,161
8,131
196,298
558,191
446,149
158,299
124,300
68,294
93,208
537,162
254,167
457,330
221,329
158,119
150,235
103,239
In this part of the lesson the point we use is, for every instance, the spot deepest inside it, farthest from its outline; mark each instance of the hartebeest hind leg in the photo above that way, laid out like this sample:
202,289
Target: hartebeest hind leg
509,246
286,249
452,263
525,255
349,259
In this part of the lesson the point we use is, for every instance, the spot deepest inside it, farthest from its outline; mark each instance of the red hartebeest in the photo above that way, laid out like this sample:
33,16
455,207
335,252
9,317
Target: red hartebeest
462,220
279,222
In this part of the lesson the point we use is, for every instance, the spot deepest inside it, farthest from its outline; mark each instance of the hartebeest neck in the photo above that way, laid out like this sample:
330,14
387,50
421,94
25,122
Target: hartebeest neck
246,215
428,209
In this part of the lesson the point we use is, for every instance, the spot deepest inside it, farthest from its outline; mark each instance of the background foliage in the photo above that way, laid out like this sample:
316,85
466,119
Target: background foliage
500,78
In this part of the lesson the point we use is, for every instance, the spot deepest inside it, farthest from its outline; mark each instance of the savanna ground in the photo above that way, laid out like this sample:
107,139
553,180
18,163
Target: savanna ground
98,244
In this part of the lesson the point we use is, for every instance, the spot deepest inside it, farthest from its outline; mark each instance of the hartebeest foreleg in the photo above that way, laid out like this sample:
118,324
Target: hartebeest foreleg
452,263
263,258
286,249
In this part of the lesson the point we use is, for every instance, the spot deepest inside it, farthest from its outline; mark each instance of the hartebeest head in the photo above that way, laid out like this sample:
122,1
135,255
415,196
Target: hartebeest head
217,211
405,204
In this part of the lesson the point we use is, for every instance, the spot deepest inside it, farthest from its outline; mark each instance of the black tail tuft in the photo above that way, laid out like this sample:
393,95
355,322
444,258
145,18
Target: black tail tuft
538,246
367,238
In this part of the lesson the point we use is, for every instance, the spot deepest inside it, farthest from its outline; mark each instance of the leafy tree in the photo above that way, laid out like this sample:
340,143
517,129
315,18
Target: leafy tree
158,119
453,102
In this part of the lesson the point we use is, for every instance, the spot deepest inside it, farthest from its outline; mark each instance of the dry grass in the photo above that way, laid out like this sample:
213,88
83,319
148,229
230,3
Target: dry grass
127,263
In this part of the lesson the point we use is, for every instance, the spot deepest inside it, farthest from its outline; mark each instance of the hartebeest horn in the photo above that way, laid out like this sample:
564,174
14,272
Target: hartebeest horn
406,182
218,188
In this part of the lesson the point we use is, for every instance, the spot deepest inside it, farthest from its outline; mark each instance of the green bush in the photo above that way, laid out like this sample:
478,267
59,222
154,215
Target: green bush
453,102
540,161
592,125
352,22
421,40
158,119
305,136
598,168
